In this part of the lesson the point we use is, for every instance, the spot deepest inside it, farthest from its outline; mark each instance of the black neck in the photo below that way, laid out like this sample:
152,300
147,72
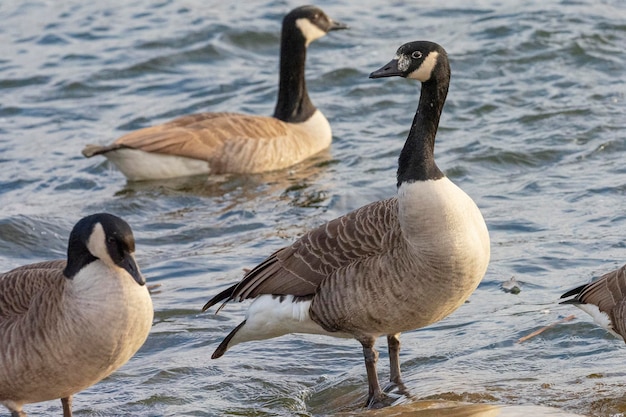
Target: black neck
294,105
78,256
417,159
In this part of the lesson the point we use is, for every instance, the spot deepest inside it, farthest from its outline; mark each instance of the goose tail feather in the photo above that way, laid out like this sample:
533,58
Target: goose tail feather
225,296
93,150
223,347
573,292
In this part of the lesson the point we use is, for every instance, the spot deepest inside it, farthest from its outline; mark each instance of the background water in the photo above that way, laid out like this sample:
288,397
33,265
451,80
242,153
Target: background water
533,129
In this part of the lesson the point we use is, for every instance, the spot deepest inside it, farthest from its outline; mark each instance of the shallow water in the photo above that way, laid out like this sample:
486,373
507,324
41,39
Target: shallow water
533,130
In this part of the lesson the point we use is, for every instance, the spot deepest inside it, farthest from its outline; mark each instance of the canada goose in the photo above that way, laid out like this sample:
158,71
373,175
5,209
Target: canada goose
604,300
66,325
388,267
220,143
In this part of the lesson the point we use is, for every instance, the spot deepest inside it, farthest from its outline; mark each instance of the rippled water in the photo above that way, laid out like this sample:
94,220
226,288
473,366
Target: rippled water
533,130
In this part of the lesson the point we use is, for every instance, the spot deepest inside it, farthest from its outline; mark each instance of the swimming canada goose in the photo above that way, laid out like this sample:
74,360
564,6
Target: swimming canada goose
388,267
65,325
604,300
220,143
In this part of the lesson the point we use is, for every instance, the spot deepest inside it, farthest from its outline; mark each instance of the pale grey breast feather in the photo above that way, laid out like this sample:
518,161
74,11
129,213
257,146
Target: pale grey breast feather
299,269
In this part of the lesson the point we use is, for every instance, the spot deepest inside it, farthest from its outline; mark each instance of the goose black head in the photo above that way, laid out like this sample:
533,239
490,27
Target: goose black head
312,22
105,237
416,60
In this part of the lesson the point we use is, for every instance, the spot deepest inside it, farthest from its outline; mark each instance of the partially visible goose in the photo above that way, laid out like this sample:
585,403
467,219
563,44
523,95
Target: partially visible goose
219,143
388,267
65,325
604,300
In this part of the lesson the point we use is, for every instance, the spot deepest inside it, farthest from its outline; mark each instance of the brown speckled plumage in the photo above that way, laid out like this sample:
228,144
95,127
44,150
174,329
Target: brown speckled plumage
61,334
28,284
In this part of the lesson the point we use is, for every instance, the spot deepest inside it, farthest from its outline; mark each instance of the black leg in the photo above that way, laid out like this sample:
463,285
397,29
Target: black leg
18,413
393,343
67,406
371,358
376,397
395,376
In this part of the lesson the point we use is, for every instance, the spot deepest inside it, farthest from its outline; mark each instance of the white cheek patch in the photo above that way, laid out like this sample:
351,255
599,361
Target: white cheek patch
403,62
97,244
309,30
425,70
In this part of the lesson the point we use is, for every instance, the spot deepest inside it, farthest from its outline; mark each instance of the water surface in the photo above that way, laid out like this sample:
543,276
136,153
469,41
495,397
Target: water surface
533,130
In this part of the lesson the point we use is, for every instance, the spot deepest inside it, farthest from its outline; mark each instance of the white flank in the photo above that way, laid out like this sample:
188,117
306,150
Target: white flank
600,318
309,30
138,165
270,317
425,70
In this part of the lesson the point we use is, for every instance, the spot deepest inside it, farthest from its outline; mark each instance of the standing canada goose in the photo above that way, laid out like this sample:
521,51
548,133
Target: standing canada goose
388,267
219,143
604,300
66,325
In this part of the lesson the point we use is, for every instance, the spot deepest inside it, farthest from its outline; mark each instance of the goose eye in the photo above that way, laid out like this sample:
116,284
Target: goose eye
110,239
416,55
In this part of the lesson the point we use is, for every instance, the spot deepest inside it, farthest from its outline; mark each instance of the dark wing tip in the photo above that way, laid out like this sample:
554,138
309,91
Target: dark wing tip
572,301
92,150
224,295
575,291
223,347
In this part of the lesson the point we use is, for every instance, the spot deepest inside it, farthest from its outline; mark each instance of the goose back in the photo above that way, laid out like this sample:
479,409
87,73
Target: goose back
354,265
260,143
28,285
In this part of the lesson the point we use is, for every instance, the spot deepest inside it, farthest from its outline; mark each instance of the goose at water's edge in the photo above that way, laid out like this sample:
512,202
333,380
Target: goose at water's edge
604,300
388,267
65,325
221,143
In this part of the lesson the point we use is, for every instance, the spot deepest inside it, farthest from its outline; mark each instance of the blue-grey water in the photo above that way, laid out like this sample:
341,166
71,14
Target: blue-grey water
534,130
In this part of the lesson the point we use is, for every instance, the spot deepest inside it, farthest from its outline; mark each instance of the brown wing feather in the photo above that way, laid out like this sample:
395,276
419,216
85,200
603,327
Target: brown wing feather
19,286
199,136
618,318
299,269
606,292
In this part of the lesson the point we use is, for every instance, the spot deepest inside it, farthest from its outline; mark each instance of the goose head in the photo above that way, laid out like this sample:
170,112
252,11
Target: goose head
103,237
415,60
312,22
